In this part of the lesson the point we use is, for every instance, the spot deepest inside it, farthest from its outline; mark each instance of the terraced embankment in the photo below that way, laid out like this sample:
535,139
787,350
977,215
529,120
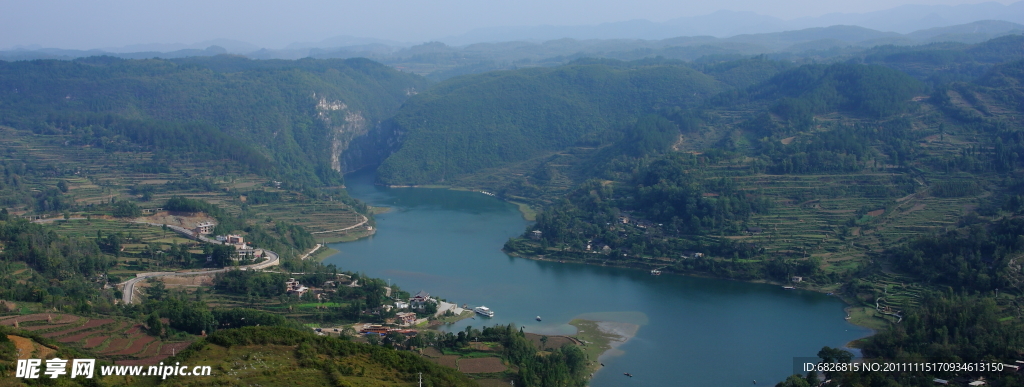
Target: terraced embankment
121,341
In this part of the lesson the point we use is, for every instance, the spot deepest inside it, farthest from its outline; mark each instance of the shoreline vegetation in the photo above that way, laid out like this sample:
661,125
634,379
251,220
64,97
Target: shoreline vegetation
859,316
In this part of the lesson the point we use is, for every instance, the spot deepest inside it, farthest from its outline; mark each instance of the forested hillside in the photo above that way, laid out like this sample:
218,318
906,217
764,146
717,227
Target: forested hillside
467,124
284,119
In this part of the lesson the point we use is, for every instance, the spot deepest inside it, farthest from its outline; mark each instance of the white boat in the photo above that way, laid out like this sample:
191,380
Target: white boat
538,318
483,310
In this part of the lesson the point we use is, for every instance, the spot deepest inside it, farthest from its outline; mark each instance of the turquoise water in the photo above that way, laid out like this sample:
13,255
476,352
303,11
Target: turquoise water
695,332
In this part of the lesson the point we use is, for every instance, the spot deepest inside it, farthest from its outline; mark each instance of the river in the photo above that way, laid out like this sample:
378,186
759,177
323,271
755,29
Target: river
694,331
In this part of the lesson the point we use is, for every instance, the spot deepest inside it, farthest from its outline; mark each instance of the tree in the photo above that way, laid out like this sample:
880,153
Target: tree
156,327
156,289
834,355
126,209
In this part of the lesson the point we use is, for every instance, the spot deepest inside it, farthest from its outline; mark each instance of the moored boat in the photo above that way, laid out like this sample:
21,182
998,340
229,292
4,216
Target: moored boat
483,310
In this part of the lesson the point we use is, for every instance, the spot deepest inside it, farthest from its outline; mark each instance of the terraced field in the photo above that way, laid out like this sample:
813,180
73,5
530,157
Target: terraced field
122,341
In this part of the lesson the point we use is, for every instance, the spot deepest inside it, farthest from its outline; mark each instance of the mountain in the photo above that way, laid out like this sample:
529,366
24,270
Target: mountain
290,120
488,120
903,19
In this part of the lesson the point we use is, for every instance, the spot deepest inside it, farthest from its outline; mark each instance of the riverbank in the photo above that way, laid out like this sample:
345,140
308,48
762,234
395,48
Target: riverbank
601,339
859,315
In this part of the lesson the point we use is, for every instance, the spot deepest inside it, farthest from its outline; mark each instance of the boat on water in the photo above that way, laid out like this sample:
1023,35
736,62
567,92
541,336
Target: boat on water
789,287
538,318
483,310
655,272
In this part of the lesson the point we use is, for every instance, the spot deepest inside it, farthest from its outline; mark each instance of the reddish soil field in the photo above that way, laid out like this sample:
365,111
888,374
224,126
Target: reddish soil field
88,325
87,333
120,344
152,350
481,365
553,341
57,318
137,346
95,341
42,327
135,329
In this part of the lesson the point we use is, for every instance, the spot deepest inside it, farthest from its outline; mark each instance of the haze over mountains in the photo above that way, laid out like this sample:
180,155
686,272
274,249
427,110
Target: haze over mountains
904,25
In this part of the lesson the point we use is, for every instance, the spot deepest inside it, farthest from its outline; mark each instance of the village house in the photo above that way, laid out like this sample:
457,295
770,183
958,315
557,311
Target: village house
419,300
406,318
536,235
294,287
205,227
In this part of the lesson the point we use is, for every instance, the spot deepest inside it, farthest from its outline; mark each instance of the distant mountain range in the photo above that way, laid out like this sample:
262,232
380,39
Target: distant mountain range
720,33
903,19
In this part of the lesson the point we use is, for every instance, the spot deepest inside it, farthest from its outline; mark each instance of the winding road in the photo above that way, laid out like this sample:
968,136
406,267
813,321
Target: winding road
129,286
365,219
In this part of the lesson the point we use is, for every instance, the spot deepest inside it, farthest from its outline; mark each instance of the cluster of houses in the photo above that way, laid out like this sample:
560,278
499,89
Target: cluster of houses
292,286
241,248
416,302
383,330
639,223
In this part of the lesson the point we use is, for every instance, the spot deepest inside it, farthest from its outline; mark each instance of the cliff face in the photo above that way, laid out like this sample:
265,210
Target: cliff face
369,150
344,125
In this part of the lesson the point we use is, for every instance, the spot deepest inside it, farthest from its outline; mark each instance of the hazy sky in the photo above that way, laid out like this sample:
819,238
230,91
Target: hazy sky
113,23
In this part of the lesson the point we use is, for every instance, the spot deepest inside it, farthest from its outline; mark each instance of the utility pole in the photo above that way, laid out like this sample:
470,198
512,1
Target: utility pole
421,379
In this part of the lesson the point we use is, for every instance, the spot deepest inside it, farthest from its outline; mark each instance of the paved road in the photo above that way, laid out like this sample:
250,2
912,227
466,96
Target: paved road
129,286
365,219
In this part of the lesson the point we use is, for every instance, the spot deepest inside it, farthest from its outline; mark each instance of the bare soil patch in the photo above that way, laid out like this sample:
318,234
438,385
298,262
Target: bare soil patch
24,346
95,341
152,350
431,352
44,327
481,365
81,335
191,280
56,318
88,325
553,341
876,212
787,140
446,360
137,346
118,344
